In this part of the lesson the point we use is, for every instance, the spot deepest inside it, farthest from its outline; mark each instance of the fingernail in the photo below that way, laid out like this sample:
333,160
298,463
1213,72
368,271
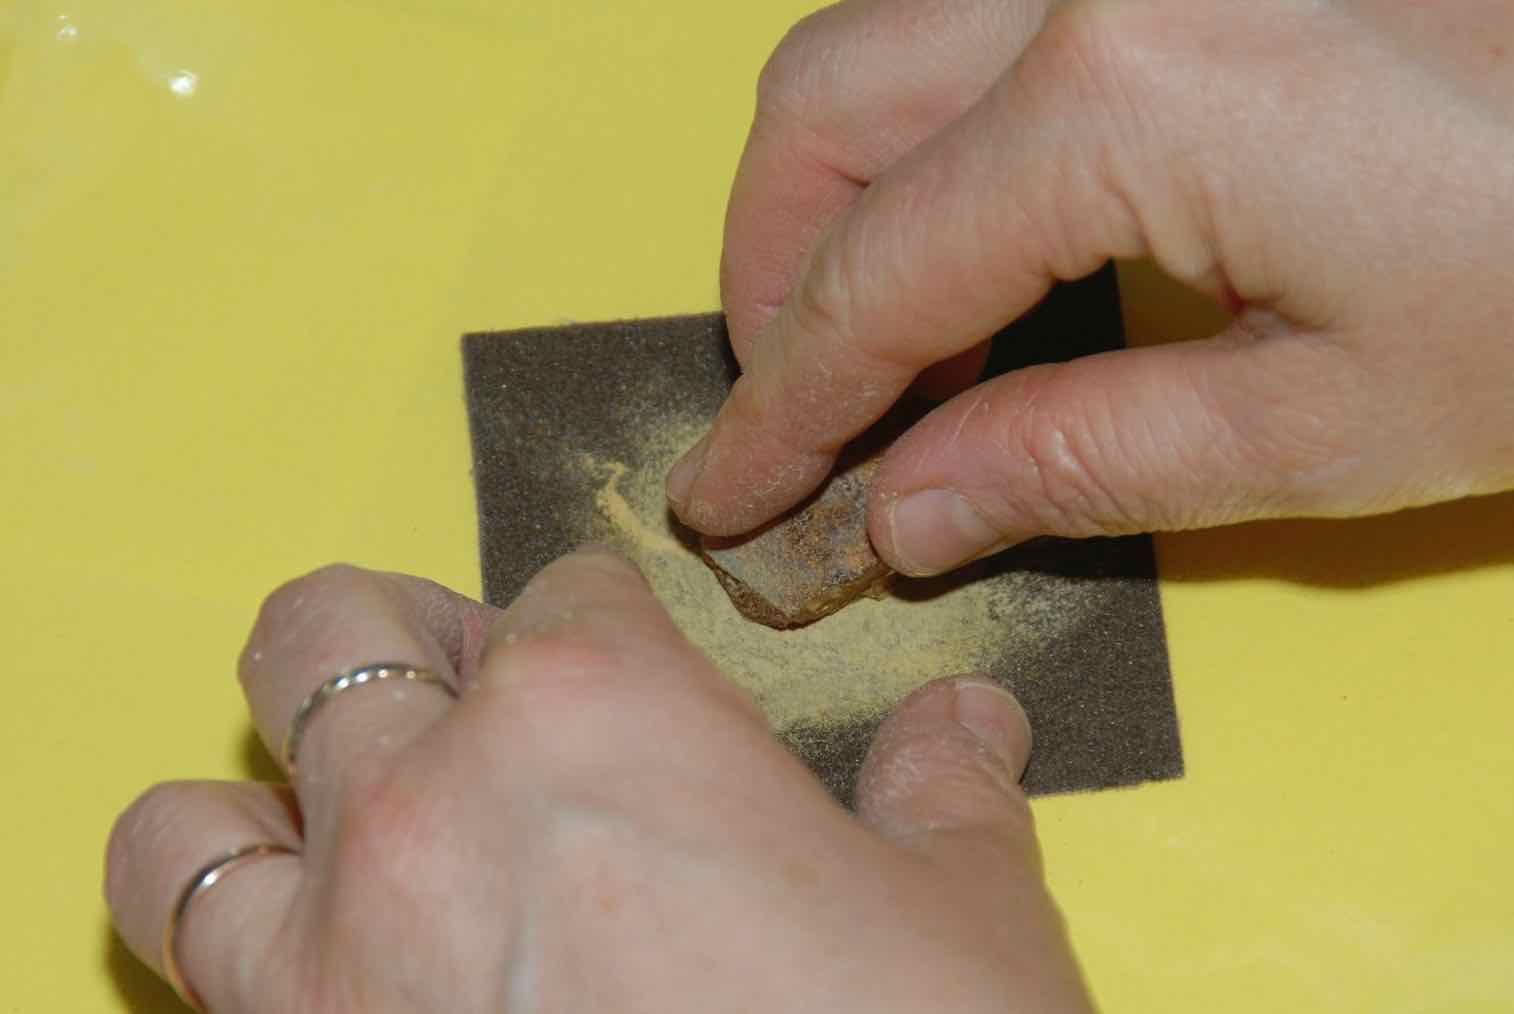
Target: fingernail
686,470
935,530
992,714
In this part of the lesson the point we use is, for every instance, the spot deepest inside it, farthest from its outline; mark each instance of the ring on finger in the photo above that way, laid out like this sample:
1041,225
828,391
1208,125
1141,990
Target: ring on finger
203,880
340,684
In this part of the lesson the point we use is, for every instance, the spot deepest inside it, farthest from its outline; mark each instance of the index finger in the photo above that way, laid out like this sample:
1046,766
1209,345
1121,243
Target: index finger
889,291
956,240
849,90
344,620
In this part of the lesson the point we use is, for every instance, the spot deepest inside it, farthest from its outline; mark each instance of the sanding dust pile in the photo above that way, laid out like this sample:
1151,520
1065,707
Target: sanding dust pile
851,666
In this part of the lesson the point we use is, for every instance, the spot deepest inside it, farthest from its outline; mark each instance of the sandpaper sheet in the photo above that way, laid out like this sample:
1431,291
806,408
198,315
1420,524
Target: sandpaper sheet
569,422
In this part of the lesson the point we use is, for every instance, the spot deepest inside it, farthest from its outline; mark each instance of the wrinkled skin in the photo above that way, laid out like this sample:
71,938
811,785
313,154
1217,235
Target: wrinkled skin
1339,175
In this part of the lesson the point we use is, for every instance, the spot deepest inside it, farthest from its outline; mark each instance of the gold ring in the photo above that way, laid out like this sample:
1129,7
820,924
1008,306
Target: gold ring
204,879
349,681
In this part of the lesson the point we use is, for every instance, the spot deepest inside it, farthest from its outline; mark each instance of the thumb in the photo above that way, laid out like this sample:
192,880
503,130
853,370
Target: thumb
942,777
956,239
1155,439
943,780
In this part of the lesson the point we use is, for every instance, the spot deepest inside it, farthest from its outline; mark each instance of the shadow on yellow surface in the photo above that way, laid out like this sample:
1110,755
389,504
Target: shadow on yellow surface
256,764
139,990
1463,537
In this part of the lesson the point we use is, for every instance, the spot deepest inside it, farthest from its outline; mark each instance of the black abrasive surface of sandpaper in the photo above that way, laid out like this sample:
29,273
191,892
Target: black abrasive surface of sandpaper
1099,694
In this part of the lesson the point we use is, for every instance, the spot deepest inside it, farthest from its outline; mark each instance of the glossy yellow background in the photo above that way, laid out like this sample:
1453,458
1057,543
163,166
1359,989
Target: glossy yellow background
238,243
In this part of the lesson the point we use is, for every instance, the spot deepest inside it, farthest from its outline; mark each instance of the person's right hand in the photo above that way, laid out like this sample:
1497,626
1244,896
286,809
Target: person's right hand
1341,175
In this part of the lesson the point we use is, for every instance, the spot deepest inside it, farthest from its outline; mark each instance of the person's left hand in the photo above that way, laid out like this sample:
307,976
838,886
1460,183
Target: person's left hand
598,822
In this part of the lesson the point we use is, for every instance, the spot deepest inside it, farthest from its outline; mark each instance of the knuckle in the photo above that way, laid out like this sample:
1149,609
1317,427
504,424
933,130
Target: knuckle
140,826
301,604
154,810
387,826
571,686
574,588
1304,406
964,782
579,706
330,581
602,561
1066,465
124,834
1093,40
1086,64
548,664
850,294
293,599
822,300
788,76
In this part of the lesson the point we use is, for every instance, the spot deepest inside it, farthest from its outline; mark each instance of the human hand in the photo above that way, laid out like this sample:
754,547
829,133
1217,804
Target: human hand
1339,175
599,821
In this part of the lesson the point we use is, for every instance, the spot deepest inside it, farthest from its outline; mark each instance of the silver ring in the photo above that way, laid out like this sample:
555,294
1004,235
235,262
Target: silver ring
203,880
343,682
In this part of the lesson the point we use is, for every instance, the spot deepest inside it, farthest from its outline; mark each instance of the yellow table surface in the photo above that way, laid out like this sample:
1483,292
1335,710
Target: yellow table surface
238,243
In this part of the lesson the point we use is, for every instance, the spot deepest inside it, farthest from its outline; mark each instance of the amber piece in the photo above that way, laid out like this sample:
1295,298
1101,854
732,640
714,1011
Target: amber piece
810,562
